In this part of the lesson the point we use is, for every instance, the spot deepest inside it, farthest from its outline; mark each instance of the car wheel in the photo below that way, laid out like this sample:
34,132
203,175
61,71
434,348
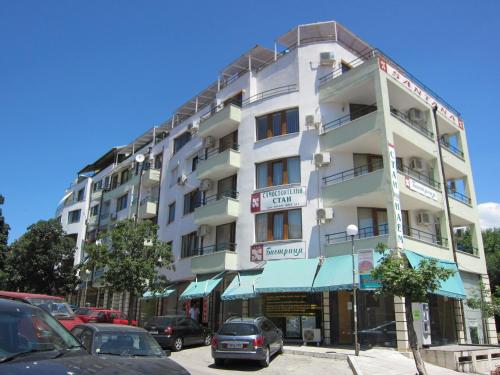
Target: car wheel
208,340
219,362
265,362
178,343
280,351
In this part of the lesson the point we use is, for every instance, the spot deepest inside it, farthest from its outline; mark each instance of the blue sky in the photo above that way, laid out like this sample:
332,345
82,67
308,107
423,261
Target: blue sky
77,77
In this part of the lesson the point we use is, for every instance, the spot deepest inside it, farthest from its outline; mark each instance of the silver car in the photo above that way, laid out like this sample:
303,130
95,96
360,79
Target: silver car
247,338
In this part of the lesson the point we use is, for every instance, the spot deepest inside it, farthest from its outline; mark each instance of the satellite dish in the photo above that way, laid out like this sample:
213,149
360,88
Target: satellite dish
139,158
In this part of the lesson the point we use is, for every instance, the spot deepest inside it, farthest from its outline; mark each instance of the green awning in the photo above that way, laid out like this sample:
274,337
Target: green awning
288,275
242,286
165,293
201,287
453,287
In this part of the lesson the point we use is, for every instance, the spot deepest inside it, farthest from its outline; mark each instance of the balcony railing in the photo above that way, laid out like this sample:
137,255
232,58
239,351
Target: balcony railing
419,176
354,172
270,93
379,230
424,236
354,63
404,119
453,149
210,249
348,118
215,197
467,248
459,196
218,108
222,147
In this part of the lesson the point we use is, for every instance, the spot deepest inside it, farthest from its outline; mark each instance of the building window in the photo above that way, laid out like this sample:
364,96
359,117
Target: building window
194,163
225,237
174,173
114,181
121,203
94,210
191,201
189,245
277,123
281,225
278,172
158,161
181,140
125,176
74,216
80,195
97,186
171,212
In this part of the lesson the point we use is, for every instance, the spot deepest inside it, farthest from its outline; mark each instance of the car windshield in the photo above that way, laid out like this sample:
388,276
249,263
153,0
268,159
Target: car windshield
57,307
83,311
31,331
127,344
238,329
160,321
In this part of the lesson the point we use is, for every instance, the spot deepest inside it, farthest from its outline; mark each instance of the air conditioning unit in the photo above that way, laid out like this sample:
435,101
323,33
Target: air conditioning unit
206,184
193,127
324,214
417,164
209,142
321,159
182,179
326,58
417,116
423,218
453,186
113,216
310,122
311,335
203,230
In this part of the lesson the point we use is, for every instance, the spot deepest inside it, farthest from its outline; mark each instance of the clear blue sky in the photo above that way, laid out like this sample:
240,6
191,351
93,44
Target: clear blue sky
77,77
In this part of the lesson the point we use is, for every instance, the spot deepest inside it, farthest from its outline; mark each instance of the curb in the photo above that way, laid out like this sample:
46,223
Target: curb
356,370
316,354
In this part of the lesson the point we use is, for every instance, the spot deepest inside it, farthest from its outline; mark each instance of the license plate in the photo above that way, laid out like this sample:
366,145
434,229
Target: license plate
235,345
153,332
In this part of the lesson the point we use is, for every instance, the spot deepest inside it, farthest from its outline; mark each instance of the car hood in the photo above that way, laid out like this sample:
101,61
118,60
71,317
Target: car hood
149,365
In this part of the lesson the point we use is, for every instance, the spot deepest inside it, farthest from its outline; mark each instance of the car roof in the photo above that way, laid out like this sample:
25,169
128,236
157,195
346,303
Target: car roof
19,295
240,319
13,305
170,316
108,327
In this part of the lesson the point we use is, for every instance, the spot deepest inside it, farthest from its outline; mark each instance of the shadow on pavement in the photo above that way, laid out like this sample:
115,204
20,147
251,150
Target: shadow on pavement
241,365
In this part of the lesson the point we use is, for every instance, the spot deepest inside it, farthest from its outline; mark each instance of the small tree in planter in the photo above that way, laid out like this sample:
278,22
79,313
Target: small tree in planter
398,278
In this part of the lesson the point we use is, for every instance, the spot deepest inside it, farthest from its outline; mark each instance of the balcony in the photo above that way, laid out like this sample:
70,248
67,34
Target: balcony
147,208
418,128
217,165
218,209
96,195
461,209
222,120
367,238
151,176
215,258
452,149
92,220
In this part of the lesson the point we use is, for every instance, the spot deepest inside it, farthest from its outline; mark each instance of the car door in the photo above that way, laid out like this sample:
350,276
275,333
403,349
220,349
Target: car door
183,329
270,334
196,332
86,337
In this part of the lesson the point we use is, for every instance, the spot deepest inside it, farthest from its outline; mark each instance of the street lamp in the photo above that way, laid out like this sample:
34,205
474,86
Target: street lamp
352,230
87,273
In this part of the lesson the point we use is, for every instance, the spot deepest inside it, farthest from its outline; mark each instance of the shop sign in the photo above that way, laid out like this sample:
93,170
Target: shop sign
420,188
395,196
278,199
365,267
204,315
288,304
289,250
422,94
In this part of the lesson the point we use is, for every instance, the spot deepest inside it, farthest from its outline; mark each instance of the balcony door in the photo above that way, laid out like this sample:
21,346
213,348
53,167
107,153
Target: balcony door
227,187
229,141
225,237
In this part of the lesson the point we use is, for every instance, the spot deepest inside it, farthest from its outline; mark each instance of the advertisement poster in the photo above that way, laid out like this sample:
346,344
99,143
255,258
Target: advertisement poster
366,264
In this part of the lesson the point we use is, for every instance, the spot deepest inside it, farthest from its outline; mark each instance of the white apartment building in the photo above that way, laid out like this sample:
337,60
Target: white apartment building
254,180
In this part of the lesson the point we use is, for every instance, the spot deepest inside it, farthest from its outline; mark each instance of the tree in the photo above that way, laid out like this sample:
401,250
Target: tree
132,256
398,278
4,235
41,260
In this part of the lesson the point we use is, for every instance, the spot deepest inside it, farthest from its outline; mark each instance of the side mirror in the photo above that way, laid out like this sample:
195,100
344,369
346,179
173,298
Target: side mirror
167,352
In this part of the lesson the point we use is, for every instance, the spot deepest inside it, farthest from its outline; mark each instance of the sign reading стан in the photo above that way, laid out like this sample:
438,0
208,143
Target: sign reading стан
278,199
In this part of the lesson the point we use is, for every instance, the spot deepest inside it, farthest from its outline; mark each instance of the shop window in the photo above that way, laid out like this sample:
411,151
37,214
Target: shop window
189,246
278,172
281,225
121,203
181,141
277,123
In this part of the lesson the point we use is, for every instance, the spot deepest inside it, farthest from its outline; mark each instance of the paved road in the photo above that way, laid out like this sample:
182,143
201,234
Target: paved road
199,362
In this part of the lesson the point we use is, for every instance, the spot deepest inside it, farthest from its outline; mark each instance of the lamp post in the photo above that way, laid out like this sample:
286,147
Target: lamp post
87,273
352,230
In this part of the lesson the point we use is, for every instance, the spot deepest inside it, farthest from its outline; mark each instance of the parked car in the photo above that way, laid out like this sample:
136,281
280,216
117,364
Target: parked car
132,346
56,306
32,342
177,331
247,338
384,334
97,315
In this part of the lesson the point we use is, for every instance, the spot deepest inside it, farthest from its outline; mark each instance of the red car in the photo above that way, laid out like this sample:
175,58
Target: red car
97,315
56,306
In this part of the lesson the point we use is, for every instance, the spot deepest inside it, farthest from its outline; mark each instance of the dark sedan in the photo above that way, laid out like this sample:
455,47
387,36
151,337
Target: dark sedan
176,331
130,346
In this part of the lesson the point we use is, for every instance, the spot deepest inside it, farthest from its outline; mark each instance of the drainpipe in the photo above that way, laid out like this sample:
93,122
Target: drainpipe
447,201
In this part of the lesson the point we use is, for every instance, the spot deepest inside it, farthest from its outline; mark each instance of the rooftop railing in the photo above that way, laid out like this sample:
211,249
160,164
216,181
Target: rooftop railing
348,118
354,172
404,119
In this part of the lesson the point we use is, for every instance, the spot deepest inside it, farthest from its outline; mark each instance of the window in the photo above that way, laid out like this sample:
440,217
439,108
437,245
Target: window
121,203
227,187
278,172
181,140
229,141
194,163
171,212
277,123
374,222
225,236
174,173
96,186
281,225
191,201
80,195
114,181
94,210
74,216
158,161
189,245
125,176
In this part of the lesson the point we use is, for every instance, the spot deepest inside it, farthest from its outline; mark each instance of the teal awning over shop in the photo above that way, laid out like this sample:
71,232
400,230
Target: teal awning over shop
288,275
165,293
242,286
201,287
453,287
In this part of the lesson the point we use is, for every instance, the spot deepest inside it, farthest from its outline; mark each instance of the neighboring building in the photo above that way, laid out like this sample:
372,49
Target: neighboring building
254,181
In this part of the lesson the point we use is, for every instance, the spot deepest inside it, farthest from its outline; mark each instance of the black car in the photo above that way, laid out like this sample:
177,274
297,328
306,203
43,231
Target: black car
32,342
247,338
176,331
133,347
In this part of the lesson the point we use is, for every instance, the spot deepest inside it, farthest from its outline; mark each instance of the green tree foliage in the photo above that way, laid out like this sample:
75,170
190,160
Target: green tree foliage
41,260
4,236
132,256
480,301
398,278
